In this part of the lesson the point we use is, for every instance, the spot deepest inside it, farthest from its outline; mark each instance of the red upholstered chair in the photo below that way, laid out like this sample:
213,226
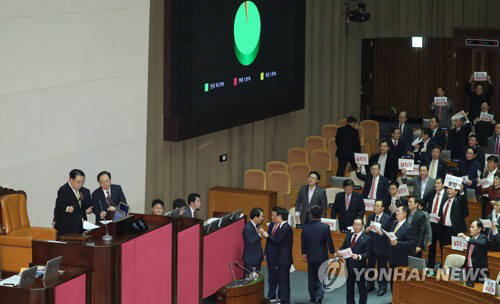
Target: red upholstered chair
276,165
329,131
255,179
315,143
297,155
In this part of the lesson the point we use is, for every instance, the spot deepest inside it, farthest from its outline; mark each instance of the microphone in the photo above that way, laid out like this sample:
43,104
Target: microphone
248,270
232,272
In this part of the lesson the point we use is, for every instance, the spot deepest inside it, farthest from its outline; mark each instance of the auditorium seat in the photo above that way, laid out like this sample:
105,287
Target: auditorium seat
329,131
342,122
255,179
315,143
332,147
371,133
280,182
297,155
321,161
276,165
299,172
15,245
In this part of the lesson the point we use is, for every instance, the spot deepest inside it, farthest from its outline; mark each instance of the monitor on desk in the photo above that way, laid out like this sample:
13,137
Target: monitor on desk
416,263
52,268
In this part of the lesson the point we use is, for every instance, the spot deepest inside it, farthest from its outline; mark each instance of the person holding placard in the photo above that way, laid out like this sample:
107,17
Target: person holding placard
478,95
437,166
473,142
388,164
437,133
492,232
406,130
348,143
441,107
379,245
484,124
470,167
457,137
376,186
452,215
360,245
476,258
393,200
401,247
484,185
434,202
397,146
422,184
416,219
493,192
494,141
422,152
348,205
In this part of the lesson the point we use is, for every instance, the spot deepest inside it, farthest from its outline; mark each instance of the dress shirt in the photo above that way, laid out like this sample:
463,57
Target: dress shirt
447,220
491,176
424,148
255,226
441,193
398,225
194,210
433,168
410,216
423,185
382,160
76,192
310,194
374,187
357,239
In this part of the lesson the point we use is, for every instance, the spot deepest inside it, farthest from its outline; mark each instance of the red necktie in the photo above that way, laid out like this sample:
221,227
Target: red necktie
469,256
353,242
448,203
498,145
372,190
275,227
436,203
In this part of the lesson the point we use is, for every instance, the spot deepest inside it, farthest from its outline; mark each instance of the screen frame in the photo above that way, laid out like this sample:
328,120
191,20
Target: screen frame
178,127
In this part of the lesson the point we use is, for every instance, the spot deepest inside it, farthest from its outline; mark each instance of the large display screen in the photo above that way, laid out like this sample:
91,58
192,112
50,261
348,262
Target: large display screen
231,62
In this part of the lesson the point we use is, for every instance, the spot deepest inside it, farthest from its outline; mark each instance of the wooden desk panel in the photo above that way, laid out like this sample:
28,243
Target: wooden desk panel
227,199
432,291
493,260
474,213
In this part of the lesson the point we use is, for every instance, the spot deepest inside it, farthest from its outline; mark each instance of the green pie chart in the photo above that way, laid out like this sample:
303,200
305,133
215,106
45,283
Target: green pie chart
247,32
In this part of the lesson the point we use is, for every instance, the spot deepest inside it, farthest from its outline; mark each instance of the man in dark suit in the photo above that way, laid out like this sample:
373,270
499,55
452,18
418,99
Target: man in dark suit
422,152
437,133
310,195
393,200
434,202
348,205
316,242
474,143
252,236
107,197
416,219
376,186
458,136
437,166
492,233
379,246
283,239
452,216
494,141
271,256
397,146
194,204
73,203
360,245
388,163
401,247
422,184
476,258
348,143
406,131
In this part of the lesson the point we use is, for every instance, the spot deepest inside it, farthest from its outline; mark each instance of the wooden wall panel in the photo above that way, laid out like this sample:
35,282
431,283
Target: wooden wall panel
332,85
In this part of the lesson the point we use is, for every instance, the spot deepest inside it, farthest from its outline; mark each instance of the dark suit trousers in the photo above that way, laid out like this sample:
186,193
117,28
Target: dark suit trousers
485,202
381,260
315,289
351,280
284,283
436,232
343,164
272,280
445,236
250,266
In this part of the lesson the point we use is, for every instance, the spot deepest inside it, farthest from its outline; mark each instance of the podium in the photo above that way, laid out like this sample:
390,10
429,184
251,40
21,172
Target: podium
243,292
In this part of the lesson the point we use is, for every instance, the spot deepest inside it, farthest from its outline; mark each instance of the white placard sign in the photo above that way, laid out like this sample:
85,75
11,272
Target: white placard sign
458,116
414,172
441,101
361,158
485,183
391,235
417,141
403,190
452,181
434,218
486,223
406,164
486,116
458,243
346,253
374,226
333,223
489,286
480,76
369,203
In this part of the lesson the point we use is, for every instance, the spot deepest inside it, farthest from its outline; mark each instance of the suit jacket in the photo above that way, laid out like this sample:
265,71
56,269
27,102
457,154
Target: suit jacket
457,141
271,250
492,141
406,135
417,185
418,223
423,157
391,165
444,114
347,217
442,168
71,222
429,201
493,240
398,254
479,255
347,138
459,210
361,247
397,151
439,138
283,240
316,241
379,244
252,251
470,169
99,199
303,205
387,203
382,187
480,156
189,213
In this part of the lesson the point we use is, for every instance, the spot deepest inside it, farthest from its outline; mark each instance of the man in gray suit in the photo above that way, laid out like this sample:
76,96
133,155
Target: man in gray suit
494,141
422,184
310,195
442,112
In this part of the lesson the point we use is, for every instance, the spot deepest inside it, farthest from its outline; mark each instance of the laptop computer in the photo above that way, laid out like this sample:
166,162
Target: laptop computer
26,278
52,268
121,211
416,263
